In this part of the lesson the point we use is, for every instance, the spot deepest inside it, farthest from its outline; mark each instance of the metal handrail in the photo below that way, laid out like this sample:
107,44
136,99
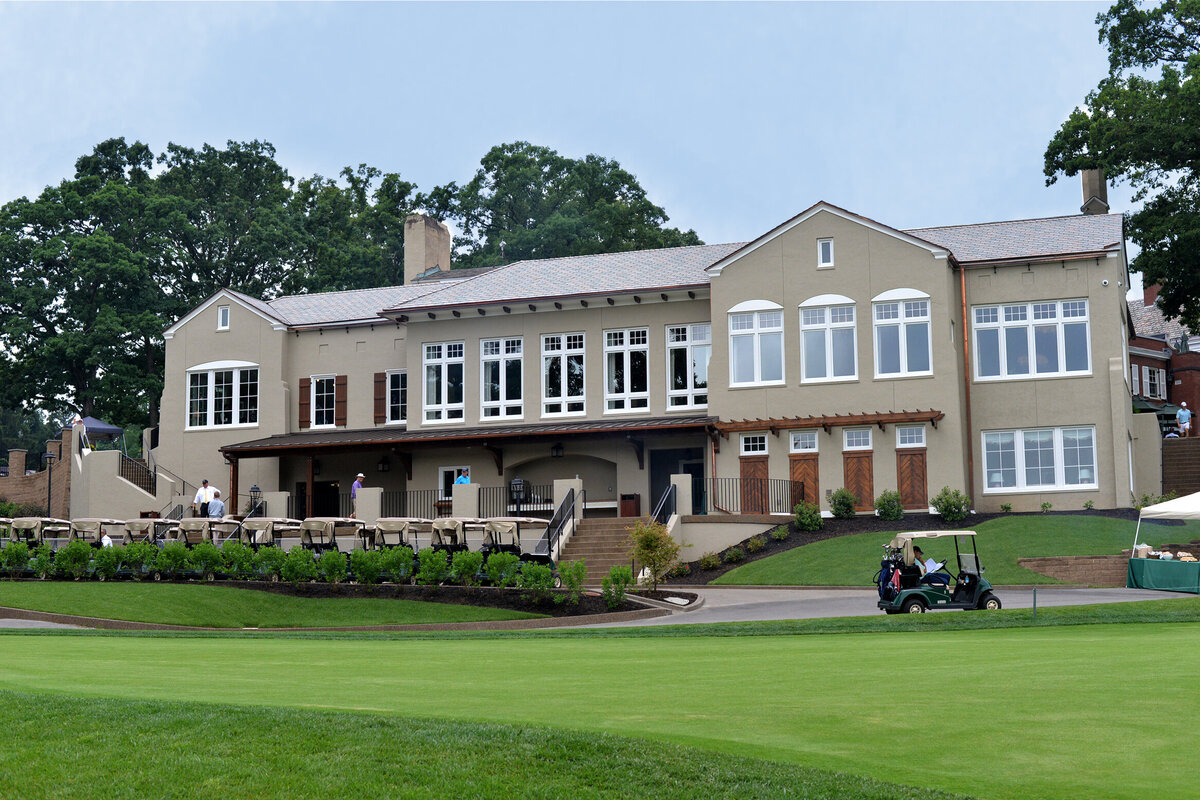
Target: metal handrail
564,513
666,505
137,473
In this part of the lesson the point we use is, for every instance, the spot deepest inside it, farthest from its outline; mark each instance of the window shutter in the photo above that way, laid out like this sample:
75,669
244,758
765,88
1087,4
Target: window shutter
1146,381
1162,384
339,400
380,398
1133,372
305,402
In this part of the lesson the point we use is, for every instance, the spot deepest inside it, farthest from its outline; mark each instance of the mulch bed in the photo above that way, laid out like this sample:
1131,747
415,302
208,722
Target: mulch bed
868,524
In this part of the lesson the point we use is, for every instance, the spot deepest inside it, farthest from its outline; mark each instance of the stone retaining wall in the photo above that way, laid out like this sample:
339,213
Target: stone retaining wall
1087,570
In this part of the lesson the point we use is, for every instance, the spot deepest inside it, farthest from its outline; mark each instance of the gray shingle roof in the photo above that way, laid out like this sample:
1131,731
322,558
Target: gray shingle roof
1149,321
1027,238
638,270
258,305
356,305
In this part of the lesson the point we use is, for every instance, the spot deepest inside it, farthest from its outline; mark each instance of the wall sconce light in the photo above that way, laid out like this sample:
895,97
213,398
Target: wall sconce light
556,451
384,465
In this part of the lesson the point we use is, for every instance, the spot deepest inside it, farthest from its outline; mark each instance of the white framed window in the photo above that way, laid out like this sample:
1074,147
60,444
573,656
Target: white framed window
1032,340
803,441
689,348
910,436
756,346
1134,372
222,318
1154,383
902,343
562,374
824,253
828,341
502,378
443,364
222,395
1039,459
627,370
323,397
397,405
754,444
856,439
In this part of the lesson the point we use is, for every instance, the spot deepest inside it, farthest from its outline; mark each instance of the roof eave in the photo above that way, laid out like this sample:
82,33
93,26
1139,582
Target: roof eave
407,309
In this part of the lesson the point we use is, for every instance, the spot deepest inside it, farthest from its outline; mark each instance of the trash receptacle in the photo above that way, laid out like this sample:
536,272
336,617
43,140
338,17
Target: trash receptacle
631,505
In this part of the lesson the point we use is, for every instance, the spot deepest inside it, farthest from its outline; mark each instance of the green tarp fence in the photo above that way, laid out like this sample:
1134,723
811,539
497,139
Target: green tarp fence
1166,576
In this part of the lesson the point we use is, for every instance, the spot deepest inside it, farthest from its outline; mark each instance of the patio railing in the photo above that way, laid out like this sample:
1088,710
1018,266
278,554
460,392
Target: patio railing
494,501
753,495
427,503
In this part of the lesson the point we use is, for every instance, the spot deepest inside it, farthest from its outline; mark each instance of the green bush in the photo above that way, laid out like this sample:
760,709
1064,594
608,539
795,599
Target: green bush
207,559
502,568
237,560
108,561
888,505
139,557
808,516
1046,507
614,585
681,570
1088,505
755,544
397,563
537,580
952,504
432,567
781,533
299,566
42,562
710,561
1006,508
269,561
573,574
331,566
173,560
465,567
1150,499
734,555
73,559
653,548
842,503
367,565
16,558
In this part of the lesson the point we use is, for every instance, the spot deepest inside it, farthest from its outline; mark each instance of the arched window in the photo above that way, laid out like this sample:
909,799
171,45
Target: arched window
902,340
828,339
756,343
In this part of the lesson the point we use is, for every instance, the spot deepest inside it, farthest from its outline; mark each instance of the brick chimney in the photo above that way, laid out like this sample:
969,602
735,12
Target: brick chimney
1095,192
426,246
1150,294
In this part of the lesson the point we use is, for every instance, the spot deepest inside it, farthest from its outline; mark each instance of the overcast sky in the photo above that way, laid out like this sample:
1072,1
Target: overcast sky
734,117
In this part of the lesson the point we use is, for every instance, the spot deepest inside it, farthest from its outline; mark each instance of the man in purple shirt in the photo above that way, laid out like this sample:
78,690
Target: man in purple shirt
354,494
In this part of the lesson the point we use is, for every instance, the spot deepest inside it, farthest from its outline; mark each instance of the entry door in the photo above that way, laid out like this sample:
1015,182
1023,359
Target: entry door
859,478
910,474
754,484
804,471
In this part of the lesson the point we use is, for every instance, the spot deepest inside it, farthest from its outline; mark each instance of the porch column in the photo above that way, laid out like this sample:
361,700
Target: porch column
231,507
683,494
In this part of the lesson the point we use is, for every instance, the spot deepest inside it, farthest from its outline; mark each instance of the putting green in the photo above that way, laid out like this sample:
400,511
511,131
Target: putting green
1076,712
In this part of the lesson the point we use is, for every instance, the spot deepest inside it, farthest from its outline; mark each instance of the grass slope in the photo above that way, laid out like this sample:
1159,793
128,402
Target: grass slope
227,607
853,560
74,747
1035,712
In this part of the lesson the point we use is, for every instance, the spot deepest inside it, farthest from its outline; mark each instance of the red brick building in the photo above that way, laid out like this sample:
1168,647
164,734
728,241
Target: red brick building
1164,364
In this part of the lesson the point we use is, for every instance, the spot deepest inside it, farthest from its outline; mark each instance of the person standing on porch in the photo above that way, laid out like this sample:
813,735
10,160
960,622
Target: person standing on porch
204,496
1183,418
464,476
354,487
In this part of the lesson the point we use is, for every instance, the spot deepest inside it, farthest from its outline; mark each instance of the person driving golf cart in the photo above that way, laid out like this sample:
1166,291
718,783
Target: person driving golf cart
931,570
910,584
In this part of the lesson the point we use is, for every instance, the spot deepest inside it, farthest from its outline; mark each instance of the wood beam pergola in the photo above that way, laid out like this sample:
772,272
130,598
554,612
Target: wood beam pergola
830,421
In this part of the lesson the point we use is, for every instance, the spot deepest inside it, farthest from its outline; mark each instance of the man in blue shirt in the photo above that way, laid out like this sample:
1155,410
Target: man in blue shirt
1183,417
216,506
464,476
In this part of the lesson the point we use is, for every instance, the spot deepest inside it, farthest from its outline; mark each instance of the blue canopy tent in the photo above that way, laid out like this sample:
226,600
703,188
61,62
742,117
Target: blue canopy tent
96,430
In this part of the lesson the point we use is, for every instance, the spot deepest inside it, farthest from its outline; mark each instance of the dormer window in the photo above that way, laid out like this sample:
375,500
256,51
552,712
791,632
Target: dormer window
824,253
222,318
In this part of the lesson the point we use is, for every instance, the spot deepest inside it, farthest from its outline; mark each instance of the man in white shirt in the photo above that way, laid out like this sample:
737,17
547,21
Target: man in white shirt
216,506
204,496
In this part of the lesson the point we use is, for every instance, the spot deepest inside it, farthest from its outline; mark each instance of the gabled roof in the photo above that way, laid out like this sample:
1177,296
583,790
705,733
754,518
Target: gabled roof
1149,321
251,304
1029,239
344,308
577,276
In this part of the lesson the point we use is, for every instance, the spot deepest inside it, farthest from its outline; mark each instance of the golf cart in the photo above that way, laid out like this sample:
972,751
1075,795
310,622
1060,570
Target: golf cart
450,534
907,588
503,535
256,532
36,530
319,534
148,529
92,530
396,532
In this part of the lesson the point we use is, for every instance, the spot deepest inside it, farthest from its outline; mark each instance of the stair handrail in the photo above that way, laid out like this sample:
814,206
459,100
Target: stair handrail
562,515
665,507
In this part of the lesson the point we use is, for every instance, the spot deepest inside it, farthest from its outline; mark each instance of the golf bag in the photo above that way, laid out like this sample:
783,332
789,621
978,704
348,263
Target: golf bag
887,580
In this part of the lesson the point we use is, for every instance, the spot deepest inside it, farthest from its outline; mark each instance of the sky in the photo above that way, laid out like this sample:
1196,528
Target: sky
734,117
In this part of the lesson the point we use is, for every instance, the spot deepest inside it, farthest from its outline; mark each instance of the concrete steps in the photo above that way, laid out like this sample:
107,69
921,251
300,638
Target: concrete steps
602,543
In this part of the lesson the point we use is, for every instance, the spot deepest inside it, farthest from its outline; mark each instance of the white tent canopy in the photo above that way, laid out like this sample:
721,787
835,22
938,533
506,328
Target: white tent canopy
1187,507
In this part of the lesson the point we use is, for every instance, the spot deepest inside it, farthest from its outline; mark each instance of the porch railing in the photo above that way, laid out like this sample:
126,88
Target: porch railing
494,501
137,473
427,503
753,495
563,515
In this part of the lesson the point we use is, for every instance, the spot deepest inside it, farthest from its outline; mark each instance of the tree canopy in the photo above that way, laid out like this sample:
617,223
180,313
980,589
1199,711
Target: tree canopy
1142,124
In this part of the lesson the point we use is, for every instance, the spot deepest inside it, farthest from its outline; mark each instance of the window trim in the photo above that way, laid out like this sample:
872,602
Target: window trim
1029,324
924,436
821,262
1059,466
312,401
848,448
827,303
402,420
445,407
902,322
816,448
562,353
502,357
688,345
223,318
742,451
755,333
209,370
628,349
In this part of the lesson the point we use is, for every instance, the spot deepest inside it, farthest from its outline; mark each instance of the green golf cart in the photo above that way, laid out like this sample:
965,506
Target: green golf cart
907,587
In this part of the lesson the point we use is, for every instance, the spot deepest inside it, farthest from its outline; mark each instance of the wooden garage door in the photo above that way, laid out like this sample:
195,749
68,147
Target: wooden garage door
754,485
910,475
859,478
803,473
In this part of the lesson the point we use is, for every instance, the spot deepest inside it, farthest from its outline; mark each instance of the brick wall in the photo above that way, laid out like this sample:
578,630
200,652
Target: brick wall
1181,465
1185,382
22,489
1086,570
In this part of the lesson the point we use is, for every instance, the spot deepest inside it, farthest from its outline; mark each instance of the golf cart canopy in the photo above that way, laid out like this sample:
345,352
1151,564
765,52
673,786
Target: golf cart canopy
904,541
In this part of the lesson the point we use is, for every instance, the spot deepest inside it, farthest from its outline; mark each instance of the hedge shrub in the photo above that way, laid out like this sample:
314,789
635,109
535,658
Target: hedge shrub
366,565
888,505
502,568
16,558
398,563
42,562
298,566
331,566
207,559
952,504
465,567
614,585
537,580
173,560
237,560
432,567
842,503
140,556
808,516
269,561
573,574
108,562
73,559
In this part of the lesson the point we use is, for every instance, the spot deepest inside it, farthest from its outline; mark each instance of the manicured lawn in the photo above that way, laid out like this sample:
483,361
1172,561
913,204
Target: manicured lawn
99,748
1063,712
227,607
854,560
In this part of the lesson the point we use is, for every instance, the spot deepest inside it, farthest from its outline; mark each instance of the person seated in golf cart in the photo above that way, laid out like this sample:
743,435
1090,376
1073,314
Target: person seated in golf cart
930,570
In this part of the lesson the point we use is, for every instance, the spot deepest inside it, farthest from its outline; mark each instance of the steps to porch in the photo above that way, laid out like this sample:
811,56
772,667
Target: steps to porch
603,543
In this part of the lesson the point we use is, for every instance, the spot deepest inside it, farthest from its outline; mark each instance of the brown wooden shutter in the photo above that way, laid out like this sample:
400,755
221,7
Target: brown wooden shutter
380,398
305,402
339,400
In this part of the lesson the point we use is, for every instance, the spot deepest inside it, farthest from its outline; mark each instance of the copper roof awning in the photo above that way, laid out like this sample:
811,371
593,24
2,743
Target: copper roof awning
376,438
